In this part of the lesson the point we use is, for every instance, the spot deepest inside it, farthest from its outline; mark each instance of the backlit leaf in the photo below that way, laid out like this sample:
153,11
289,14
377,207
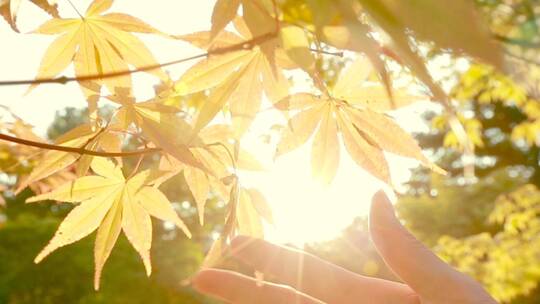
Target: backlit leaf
224,12
199,185
249,221
106,237
299,129
325,150
261,205
110,202
97,44
366,155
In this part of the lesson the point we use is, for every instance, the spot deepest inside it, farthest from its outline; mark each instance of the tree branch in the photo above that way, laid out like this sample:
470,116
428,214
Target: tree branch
245,45
81,151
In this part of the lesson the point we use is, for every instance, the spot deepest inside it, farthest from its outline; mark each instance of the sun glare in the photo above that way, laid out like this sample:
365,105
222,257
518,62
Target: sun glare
304,209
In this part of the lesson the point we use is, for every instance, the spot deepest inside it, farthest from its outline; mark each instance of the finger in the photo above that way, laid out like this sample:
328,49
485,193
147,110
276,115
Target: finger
318,278
236,288
414,263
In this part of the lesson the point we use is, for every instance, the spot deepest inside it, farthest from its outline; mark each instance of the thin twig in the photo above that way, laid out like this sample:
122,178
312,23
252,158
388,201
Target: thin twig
245,45
65,79
81,151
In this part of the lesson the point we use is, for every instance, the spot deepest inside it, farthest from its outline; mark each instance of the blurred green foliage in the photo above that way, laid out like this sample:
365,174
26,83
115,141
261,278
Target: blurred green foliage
28,228
25,229
487,227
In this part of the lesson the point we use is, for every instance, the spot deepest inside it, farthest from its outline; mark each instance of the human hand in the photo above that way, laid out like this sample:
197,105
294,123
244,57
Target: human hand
307,279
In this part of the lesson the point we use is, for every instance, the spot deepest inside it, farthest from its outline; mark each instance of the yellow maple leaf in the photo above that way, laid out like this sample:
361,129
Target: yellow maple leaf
248,219
97,44
247,208
351,87
223,13
110,203
237,77
215,154
365,133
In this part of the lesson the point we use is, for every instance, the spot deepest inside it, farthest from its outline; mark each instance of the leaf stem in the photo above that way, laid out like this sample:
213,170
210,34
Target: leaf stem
137,165
75,9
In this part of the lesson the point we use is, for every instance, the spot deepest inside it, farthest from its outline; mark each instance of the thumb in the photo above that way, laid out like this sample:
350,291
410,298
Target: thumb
410,260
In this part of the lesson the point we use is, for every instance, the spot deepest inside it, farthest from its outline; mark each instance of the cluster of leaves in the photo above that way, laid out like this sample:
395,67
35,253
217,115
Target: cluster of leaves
479,226
242,64
509,256
19,160
515,23
486,87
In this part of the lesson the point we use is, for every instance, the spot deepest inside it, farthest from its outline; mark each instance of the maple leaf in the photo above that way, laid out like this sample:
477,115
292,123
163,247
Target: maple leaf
10,8
204,158
223,13
110,203
216,155
351,86
355,36
248,219
198,181
97,44
365,133
247,208
239,77
161,125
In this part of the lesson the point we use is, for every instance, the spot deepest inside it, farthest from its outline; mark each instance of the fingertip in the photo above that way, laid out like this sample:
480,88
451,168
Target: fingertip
382,210
380,197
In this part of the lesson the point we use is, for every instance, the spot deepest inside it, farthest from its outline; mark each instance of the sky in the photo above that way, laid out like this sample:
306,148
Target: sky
304,210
